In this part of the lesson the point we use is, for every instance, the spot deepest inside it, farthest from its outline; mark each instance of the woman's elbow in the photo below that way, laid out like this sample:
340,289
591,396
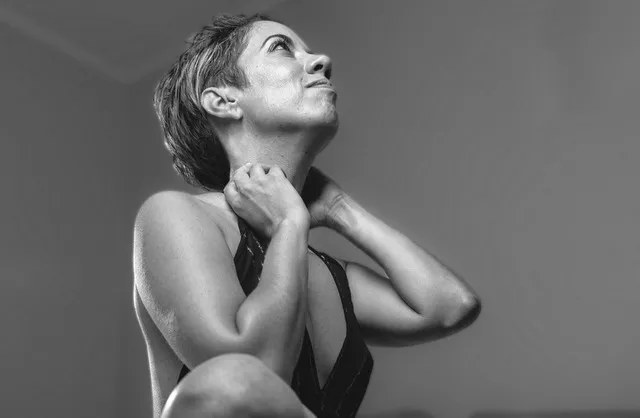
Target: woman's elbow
463,313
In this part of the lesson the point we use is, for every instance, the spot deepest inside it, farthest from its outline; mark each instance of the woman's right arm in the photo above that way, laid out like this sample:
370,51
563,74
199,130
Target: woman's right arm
186,278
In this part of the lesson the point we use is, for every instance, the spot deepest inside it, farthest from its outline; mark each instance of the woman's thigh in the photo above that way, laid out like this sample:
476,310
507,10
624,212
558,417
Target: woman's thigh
233,385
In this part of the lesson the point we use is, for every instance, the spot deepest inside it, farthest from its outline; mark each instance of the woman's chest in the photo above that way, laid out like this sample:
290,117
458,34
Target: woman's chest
326,323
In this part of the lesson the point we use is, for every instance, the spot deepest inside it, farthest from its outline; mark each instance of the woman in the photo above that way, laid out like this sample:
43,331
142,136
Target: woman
233,303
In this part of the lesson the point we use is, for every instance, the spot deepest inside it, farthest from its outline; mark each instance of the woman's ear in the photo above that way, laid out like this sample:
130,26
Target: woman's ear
221,102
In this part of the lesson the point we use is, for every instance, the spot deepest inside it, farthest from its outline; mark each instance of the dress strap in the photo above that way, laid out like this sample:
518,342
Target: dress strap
340,278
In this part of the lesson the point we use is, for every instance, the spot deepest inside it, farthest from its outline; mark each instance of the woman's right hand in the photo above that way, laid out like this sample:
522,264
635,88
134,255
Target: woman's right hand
263,197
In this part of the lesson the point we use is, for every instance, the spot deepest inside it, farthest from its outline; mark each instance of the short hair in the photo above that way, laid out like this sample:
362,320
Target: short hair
210,59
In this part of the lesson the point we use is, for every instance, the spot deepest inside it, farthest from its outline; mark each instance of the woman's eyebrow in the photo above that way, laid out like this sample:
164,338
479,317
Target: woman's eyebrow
285,38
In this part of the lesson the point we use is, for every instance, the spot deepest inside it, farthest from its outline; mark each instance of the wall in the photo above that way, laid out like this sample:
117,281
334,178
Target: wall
65,268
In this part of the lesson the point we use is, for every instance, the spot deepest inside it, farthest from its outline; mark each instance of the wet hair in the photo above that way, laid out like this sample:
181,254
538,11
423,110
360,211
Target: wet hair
210,59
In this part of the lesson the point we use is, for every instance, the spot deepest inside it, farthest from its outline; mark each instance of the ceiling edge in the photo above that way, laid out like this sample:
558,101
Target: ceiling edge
31,29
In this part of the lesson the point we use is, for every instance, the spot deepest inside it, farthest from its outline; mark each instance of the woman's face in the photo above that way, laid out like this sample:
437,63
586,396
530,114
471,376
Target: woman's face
280,69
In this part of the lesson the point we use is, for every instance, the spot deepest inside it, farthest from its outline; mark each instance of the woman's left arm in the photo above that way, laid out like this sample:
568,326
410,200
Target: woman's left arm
419,300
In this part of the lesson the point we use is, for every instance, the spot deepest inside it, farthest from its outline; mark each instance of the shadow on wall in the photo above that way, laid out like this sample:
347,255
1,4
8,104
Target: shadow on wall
557,414
401,413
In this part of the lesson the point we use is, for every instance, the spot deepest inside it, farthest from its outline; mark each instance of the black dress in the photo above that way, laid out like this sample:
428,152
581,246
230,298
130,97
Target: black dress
344,389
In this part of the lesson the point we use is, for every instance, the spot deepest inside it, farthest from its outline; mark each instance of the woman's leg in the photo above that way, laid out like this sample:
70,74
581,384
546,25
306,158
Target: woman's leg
230,386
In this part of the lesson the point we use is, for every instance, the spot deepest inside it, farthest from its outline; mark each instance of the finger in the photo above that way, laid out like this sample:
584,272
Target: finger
242,173
277,171
243,168
230,190
258,170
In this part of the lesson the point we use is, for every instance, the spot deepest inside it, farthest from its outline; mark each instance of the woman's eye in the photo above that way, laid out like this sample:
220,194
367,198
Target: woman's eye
278,44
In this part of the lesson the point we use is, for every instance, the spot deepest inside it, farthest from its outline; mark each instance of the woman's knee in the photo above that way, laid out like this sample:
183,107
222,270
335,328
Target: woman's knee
232,385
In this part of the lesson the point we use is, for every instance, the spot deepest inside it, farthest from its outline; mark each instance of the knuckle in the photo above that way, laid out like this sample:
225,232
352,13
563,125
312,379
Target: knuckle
230,187
275,170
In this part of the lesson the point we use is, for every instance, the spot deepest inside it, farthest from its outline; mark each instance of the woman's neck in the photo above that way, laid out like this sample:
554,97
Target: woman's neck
290,154
296,171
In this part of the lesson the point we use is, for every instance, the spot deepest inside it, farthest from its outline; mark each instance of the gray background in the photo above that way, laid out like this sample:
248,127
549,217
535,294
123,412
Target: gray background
501,135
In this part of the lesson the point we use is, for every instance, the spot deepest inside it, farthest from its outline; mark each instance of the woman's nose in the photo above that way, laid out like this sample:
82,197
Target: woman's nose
319,63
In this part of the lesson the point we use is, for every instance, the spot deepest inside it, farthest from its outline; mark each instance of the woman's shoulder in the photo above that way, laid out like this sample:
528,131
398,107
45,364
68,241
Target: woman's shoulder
206,210
180,203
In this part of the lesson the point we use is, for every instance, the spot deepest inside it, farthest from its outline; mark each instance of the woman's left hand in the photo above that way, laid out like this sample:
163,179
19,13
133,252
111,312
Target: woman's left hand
321,195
